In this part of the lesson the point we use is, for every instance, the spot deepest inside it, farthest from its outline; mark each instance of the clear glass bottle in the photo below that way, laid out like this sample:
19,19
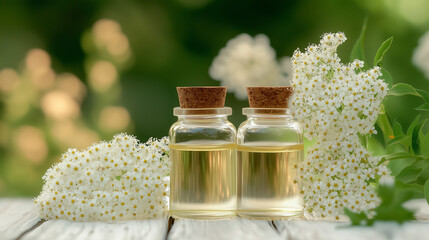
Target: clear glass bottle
203,155
269,148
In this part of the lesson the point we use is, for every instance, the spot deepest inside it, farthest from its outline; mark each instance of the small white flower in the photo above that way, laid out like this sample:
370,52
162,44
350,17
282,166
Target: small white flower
247,61
386,180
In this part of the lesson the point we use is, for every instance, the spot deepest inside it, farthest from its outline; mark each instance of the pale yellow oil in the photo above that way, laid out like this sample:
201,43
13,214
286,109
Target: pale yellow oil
266,180
203,180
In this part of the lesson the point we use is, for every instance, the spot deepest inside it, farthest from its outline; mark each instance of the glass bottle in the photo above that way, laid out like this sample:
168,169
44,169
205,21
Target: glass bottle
203,155
269,148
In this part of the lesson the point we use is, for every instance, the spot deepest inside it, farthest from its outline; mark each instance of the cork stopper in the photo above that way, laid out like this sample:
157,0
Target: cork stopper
201,97
269,97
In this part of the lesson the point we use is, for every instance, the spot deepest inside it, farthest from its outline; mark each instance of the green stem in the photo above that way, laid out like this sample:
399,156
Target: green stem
401,157
384,123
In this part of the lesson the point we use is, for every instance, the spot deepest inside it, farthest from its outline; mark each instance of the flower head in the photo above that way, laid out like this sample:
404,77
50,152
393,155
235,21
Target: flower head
332,96
339,173
247,61
117,180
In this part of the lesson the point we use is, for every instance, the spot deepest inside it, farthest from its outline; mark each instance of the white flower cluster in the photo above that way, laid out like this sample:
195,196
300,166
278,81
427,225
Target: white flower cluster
247,61
335,102
421,54
331,96
340,173
109,181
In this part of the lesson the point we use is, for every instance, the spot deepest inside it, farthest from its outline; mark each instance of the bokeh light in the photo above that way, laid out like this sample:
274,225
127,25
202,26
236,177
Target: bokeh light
108,35
37,60
60,105
38,63
70,135
70,84
114,118
31,143
102,76
9,80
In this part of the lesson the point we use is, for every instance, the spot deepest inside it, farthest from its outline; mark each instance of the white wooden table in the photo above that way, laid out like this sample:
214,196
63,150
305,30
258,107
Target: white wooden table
19,220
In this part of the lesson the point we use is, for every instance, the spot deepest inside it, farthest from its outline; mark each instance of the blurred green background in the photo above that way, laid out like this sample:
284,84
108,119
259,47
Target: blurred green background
75,72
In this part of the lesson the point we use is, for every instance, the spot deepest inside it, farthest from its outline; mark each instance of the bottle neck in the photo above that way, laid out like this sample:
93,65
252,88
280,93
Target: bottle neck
270,118
203,119
202,115
268,114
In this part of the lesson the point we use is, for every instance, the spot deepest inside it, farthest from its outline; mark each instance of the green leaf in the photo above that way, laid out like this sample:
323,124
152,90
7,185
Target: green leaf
403,140
397,165
397,129
423,143
340,109
356,218
402,89
412,126
398,155
424,95
392,199
358,48
415,135
426,190
378,59
401,160
423,176
412,134
384,123
423,107
421,164
118,178
415,172
387,77
416,189
363,140
408,174
375,147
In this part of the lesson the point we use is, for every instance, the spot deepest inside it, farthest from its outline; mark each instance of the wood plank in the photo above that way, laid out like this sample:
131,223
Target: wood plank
321,230
19,215
155,229
236,228
16,216
304,229
412,231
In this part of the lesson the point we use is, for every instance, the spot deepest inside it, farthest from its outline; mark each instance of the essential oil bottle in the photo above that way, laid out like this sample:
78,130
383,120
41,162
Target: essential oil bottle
203,155
269,147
